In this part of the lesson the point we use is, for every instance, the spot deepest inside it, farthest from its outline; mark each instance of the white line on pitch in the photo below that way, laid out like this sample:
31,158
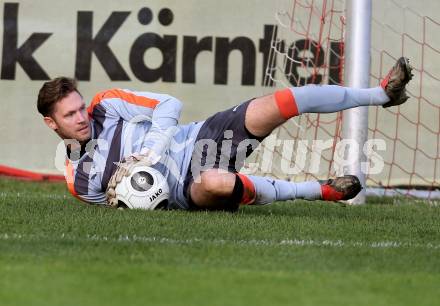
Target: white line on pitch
285,242
28,195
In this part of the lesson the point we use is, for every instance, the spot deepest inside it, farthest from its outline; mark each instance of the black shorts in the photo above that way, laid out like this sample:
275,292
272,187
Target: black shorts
223,142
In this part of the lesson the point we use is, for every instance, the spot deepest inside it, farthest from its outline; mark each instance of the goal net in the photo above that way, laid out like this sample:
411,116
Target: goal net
308,48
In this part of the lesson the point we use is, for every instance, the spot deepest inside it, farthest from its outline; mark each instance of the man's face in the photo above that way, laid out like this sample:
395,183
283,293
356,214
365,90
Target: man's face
69,118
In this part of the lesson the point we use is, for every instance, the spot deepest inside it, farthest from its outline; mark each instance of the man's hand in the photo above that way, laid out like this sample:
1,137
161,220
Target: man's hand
146,157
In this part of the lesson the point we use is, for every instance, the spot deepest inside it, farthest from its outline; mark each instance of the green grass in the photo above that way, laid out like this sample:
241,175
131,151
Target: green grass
55,250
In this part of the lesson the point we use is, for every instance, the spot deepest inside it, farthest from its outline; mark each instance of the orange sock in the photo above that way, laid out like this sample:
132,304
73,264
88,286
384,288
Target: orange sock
286,103
249,193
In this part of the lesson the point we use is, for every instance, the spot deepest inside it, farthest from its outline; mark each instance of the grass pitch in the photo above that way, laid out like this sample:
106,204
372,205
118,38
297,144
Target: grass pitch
56,251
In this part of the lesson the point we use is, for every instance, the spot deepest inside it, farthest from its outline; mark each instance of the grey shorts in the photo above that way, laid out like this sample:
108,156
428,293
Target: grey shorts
223,142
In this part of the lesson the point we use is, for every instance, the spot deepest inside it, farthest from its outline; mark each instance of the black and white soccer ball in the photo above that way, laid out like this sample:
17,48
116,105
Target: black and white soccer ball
145,188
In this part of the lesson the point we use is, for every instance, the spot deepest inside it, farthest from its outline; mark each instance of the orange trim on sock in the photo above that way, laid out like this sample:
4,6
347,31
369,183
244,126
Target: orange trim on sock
249,193
286,103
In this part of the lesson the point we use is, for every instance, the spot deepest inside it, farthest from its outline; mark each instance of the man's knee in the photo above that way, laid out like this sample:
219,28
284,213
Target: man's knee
215,191
217,183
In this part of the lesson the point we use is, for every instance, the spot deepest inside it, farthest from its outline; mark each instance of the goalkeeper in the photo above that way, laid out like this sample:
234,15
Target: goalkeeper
122,125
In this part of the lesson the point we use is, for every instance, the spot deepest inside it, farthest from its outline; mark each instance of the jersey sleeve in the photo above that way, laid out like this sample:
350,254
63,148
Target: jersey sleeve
163,111
164,121
70,176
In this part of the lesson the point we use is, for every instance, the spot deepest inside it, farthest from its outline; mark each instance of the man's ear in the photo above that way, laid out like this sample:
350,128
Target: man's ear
51,123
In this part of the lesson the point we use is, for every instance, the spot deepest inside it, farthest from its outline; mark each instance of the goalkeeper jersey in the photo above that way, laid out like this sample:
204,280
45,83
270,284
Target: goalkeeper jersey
124,122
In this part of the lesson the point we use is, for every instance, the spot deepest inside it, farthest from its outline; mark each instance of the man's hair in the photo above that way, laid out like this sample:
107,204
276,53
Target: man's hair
54,91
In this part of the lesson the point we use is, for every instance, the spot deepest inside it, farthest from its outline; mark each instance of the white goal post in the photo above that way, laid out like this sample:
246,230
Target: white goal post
357,74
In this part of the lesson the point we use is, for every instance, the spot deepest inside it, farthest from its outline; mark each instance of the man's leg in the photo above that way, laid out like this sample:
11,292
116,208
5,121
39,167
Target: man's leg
226,191
218,190
267,113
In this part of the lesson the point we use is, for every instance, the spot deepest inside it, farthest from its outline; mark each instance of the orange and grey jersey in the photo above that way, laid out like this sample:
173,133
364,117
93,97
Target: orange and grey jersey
124,122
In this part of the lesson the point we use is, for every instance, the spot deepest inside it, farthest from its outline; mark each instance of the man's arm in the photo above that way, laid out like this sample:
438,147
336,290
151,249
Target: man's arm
164,120
163,111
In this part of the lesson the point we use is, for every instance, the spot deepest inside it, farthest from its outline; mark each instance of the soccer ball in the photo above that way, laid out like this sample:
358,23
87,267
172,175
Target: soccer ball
145,188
